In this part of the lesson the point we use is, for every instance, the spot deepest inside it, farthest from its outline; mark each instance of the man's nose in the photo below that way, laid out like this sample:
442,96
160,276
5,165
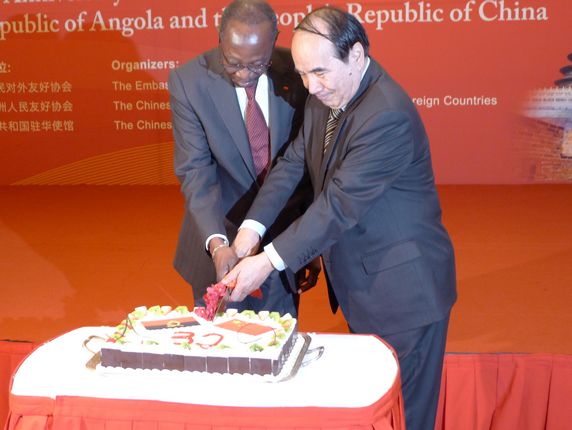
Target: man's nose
312,84
244,74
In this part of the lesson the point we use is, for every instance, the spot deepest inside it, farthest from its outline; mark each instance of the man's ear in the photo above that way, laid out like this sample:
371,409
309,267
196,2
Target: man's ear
357,53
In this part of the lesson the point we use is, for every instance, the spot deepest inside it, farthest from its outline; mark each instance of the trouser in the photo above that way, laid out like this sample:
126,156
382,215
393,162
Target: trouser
420,352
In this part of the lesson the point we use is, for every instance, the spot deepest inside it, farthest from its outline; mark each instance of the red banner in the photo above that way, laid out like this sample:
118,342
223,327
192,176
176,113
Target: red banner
84,100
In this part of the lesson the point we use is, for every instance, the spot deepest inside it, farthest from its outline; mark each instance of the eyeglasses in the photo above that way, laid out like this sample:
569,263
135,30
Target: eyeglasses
233,68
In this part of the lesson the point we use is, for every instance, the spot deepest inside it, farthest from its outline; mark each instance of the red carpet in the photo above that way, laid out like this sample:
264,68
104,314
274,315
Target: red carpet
76,256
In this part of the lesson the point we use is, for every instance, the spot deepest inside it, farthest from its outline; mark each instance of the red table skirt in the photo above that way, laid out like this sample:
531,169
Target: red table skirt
11,354
506,392
71,413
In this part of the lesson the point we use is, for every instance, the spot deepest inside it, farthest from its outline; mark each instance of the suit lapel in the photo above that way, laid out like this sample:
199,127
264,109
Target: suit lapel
373,73
280,111
315,124
277,110
226,103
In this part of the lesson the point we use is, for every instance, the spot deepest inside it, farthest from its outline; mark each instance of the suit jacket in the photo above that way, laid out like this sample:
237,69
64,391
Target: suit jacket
213,160
375,218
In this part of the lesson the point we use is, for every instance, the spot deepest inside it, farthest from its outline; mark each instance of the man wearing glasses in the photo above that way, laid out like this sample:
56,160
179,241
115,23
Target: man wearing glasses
235,109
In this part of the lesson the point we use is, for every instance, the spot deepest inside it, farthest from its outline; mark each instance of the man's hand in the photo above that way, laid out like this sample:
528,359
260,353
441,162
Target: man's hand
249,275
307,277
246,242
224,259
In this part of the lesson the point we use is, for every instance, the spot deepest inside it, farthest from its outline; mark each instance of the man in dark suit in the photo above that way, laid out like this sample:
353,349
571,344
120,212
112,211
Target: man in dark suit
375,218
214,161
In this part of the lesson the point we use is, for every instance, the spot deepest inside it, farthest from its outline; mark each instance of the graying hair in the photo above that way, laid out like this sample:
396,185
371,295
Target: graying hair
342,29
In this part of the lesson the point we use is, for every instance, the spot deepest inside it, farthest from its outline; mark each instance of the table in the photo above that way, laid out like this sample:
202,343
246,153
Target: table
11,355
354,385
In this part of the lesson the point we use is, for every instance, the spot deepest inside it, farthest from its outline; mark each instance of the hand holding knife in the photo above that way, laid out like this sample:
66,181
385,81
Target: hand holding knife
217,298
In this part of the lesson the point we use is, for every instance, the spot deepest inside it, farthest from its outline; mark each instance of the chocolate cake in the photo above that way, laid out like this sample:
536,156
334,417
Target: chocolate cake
178,339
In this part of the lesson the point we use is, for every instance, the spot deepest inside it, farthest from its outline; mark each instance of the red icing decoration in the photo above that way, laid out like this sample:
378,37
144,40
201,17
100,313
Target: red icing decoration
210,345
185,335
169,322
245,327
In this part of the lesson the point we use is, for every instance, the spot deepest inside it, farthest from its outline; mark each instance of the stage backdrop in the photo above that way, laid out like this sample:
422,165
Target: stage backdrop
84,100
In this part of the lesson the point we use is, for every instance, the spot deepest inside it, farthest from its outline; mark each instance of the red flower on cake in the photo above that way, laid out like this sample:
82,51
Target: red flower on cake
213,298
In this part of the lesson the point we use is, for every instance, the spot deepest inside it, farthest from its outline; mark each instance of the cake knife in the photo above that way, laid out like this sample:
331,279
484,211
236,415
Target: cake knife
221,307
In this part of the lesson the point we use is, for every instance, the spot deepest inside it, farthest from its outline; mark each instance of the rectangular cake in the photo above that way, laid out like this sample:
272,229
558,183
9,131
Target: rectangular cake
161,337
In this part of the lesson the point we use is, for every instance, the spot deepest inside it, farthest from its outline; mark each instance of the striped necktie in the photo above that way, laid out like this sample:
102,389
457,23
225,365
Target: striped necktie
331,125
257,134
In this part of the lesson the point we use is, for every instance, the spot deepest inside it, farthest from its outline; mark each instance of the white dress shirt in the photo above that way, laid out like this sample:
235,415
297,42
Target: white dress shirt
261,97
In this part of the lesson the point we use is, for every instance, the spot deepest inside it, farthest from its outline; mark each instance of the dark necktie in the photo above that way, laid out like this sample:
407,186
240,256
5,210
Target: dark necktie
331,125
257,134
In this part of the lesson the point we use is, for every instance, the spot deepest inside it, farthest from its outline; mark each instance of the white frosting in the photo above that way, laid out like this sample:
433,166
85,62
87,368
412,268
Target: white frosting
207,339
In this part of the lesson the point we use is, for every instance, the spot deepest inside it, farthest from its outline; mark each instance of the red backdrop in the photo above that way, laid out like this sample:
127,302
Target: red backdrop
84,99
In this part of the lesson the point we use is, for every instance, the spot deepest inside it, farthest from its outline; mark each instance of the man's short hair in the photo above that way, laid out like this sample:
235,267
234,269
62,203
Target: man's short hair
341,28
249,12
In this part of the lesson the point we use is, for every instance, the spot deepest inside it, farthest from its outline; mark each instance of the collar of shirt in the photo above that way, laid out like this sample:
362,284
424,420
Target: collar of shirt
261,97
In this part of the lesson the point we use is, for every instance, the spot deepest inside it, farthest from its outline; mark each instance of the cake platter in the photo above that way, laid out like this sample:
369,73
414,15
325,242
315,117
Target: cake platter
299,358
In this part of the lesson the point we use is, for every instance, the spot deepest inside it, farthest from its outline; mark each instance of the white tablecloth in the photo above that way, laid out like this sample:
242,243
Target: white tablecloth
354,371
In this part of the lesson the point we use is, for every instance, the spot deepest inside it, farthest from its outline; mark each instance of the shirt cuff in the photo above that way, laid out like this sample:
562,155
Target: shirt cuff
274,258
253,225
212,236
